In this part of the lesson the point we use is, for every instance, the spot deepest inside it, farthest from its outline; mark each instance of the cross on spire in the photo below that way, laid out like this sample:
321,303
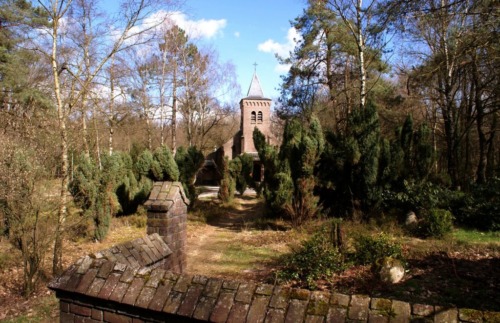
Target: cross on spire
255,66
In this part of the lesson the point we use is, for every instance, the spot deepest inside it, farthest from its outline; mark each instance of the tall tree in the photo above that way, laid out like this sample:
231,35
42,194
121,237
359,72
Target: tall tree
126,32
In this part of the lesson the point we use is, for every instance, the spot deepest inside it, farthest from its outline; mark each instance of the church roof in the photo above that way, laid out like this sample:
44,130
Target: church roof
255,90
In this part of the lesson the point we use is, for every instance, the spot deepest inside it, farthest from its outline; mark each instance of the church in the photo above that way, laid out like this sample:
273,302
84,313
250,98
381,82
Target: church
255,113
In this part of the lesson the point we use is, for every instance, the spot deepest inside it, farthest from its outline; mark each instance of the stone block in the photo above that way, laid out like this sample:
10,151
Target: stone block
338,299
204,308
119,292
161,295
238,312
223,306
401,312
86,281
173,302
314,319
280,297
80,310
296,311
95,287
183,283
105,269
470,315
128,275
190,301
109,286
133,291
145,297
213,287
336,315
422,310
358,308
66,318
155,278
275,315
318,304
257,311
264,289
375,316
245,292
444,315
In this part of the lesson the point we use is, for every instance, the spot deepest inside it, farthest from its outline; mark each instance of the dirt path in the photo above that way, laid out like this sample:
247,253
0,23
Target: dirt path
228,245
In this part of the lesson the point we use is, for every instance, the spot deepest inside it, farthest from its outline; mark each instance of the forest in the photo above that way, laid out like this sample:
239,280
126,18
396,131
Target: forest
389,107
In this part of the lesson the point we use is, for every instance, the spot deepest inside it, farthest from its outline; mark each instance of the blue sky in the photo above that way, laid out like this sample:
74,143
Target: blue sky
244,33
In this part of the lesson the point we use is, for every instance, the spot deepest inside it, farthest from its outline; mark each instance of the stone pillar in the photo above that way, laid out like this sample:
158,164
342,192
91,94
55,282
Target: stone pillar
167,216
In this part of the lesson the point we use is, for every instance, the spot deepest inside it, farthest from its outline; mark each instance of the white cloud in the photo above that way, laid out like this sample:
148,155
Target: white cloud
202,28
282,68
282,49
237,34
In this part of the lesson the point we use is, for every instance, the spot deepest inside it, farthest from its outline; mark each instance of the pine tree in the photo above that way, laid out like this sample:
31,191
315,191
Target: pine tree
189,161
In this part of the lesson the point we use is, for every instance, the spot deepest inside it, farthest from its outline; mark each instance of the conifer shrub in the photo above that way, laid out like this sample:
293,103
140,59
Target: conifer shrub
189,161
227,185
436,223
164,167
317,258
370,248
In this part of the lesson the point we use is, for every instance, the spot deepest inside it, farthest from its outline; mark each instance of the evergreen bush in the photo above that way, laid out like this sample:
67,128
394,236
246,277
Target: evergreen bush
436,223
371,248
317,258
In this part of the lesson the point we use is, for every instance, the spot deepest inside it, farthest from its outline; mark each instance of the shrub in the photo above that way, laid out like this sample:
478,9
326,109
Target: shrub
436,223
317,258
371,248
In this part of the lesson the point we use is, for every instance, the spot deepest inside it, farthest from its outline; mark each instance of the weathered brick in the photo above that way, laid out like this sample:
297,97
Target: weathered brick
358,308
275,315
116,318
318,305
119,292
314,319
446,316
198,279
204,308
95,287
302,294
63,306
401,312
86,281
422,310
223,306
336,315
183,283
245,292
80,310
213,287
338,299
133,291
264,289
145,297
109,285
280,297
66,318
230,284
128,275
105,269
296,311
96,314
161,295
470,315
190,300
257,311
238,312
375,316
173,302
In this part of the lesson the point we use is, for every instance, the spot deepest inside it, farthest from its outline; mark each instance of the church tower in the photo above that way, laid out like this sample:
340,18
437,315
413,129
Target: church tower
255,113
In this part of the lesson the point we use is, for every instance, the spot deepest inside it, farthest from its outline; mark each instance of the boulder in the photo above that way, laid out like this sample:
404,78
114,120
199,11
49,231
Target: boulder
391,270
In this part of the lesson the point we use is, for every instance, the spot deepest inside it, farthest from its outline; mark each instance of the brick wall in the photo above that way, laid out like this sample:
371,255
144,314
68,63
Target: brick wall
167,216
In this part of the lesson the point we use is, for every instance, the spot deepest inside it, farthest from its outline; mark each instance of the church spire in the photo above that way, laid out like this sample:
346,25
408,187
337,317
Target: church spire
255,90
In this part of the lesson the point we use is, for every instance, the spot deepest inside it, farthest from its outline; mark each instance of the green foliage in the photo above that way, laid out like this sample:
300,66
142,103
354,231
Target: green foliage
349,167
371,248
227,185
436,223
164,167
289,176
317,258
241,169
189,161
480,208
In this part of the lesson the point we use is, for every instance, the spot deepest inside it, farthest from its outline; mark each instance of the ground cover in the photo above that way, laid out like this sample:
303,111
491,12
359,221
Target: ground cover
236,241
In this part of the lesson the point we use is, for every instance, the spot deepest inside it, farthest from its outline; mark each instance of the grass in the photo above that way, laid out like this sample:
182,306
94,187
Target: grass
45,311
476,237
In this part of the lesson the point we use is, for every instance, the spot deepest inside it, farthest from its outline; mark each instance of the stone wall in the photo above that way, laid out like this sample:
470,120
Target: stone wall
143,281
105,291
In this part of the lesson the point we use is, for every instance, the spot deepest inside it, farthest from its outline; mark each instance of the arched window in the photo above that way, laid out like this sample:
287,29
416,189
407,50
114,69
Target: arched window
252,117
259,117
